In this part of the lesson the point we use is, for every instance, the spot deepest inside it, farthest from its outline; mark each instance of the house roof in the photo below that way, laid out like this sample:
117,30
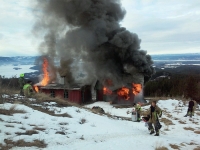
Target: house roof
60,86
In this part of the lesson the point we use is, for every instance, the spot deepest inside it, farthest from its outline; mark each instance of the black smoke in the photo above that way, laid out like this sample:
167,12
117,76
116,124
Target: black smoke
89,30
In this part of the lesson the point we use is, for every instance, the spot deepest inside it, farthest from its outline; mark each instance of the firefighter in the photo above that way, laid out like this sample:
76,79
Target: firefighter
191,108
21,81
138,110
154,113
28,90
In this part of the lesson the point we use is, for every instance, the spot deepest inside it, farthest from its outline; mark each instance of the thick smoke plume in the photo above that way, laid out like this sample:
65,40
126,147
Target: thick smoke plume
89,30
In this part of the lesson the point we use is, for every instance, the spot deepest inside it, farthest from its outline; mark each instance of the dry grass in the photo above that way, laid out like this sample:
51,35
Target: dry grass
182,144
39,128
168,115
22,143
197,148
192,143
108,115
189,128
159,146
60,132
28,132
5,90
42,97
197,123
78,111
174,146
176,119
166,128
25,117
11,111
197,131
8,125
98,109
23,128
31,124
82,121
63,123
82,138
166,121
14,122
181,122
7,133
52,113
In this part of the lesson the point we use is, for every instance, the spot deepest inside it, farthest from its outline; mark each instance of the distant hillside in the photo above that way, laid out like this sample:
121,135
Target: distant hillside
181,71
6,60
18,60
163,57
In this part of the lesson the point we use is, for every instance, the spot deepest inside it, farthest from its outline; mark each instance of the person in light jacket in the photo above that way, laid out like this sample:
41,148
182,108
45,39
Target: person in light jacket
28,90
138,110
21,82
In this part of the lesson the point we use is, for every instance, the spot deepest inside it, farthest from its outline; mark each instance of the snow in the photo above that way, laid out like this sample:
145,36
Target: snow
111,109
8,71
99,132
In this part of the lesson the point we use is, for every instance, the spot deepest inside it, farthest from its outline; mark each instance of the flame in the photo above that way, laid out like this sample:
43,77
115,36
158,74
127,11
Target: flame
36,89
45,79
106,91
136,88
124,92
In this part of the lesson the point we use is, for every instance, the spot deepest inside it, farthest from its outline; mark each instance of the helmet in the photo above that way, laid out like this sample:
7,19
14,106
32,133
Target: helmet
22,75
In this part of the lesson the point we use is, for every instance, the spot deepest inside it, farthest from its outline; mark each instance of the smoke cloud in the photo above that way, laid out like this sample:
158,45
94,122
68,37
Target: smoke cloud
89,30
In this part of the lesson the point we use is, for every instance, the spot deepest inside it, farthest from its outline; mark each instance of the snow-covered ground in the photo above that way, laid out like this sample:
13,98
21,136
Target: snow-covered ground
8,70
100,132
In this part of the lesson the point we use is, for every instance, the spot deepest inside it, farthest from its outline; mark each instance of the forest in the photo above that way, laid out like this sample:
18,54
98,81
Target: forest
174,85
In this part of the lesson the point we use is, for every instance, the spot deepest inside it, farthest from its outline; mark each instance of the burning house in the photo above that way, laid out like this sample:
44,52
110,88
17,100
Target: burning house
125,95
75,93
90,31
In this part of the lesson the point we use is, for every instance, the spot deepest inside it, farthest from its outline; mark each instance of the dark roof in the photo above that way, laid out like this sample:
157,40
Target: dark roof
60,86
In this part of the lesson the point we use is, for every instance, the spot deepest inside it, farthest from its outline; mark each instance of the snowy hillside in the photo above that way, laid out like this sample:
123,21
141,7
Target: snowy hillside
88,131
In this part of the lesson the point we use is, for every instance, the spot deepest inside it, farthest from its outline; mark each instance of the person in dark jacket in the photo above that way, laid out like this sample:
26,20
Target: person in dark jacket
191,108
21,81
154,113
195,107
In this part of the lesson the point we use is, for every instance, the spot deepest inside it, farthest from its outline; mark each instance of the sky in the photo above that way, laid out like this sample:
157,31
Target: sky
164,26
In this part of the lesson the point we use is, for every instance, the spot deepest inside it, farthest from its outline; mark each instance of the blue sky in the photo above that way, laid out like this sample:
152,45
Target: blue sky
164,26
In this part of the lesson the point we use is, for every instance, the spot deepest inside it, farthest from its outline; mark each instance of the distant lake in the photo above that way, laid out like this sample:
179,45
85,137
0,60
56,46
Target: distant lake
10,70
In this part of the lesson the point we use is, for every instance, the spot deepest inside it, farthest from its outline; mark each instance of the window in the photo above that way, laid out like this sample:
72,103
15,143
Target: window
52,93
66,94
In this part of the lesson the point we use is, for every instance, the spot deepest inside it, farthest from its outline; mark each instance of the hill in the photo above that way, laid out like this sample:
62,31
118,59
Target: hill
83,129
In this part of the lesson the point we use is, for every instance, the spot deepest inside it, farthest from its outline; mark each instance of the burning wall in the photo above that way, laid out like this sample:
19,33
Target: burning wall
90,30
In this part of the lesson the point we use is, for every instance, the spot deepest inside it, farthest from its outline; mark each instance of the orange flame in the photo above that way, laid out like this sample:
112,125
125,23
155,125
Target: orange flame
106,91
45,79
136,88
124,92
36,89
